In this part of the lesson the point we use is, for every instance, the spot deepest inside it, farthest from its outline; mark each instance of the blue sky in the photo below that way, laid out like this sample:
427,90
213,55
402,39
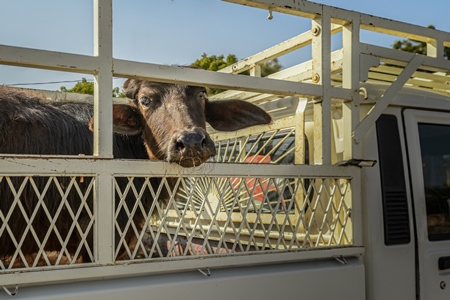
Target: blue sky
175,31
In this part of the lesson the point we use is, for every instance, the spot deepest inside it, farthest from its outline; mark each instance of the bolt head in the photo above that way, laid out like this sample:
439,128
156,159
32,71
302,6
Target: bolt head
316,78
315,30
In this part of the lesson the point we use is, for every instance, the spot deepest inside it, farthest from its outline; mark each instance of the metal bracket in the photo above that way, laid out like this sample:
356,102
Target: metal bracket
357,162
363,91
207,273
340,259
270,16
364,126
12,294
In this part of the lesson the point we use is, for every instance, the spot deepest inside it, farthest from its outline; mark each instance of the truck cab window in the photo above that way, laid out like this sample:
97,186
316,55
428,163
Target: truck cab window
435,152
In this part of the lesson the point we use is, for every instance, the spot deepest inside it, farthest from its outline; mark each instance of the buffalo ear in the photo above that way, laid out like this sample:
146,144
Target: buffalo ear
231,115
131,88
127,120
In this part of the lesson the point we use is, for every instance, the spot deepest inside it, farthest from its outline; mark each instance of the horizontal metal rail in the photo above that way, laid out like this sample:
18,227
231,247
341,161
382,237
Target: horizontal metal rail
48,60
60,274
72,166
311,10
283,48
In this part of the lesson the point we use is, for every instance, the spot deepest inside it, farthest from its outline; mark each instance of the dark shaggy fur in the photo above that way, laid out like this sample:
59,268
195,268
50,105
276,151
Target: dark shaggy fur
31,126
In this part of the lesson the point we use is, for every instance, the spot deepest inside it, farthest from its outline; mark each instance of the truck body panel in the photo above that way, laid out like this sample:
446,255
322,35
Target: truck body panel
263,281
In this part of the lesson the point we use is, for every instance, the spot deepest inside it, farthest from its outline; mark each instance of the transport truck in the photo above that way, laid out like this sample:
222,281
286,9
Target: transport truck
345,195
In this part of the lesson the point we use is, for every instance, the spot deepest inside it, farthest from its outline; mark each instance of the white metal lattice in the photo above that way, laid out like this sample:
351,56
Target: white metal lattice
53,215
208,215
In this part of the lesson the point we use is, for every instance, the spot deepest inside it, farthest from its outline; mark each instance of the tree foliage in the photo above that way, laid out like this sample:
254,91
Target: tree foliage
417,46
86,87
215,63
270,67
82,87
117,93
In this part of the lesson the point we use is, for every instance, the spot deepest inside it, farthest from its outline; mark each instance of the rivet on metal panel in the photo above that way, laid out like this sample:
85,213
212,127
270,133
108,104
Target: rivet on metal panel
207,273
315,30
443,285
10,293
316,78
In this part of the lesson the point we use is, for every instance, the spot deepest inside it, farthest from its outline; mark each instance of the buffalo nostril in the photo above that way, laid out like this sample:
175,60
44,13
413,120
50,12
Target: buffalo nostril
193,144
191,140
179,145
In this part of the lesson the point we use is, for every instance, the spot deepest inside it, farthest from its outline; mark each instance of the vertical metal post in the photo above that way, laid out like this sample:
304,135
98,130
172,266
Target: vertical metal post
351,118
103,78
350,80
299,156
355,230
435,48
432,48
104,232
255,70
321,61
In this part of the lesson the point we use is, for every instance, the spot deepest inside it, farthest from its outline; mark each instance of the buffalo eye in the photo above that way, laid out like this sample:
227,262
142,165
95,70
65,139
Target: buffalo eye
203,95
145,101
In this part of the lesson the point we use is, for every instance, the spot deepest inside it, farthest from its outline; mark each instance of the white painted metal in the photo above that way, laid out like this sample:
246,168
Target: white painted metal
385,264
381,105
290,280
81,166
48,60
61,275
351,73
402,58
103,198
103,78
321,68
285,47
185,75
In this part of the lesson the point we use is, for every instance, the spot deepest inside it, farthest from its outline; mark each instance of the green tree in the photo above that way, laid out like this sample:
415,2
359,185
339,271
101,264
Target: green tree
117,93
86,87
417,46
215,63
270,67
83,87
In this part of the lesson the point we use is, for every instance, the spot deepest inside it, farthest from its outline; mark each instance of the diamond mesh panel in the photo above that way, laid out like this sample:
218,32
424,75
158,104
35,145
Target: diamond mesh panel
212,216
45,221
275,147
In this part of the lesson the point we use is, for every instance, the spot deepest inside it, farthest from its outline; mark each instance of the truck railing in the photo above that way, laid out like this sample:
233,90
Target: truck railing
355,62
313,211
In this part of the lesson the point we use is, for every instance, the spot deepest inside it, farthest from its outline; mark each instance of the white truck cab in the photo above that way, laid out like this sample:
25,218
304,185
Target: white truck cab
406,206
405,185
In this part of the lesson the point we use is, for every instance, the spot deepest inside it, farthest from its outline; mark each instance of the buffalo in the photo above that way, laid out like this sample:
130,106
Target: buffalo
162,122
